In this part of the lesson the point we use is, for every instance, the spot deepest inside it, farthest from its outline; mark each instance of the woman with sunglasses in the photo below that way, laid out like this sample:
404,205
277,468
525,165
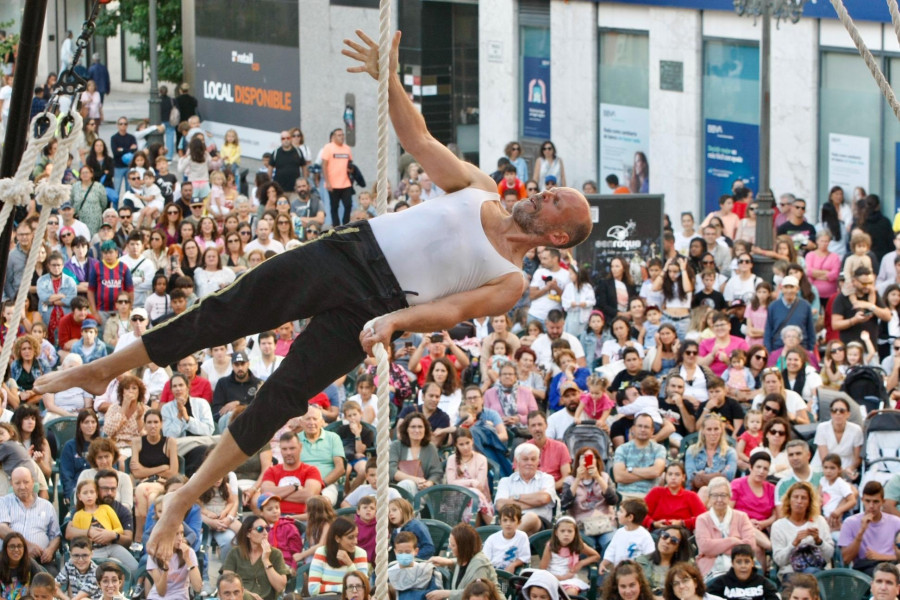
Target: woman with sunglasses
157,254
773,383
799,376
708,263
776,435
233,257
260,566
835,365
311,233
839,436
742,284
170,224
284,226
694,374
549,164
672,546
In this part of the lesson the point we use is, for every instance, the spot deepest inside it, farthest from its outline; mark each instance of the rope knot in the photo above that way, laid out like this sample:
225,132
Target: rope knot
16,191
52,195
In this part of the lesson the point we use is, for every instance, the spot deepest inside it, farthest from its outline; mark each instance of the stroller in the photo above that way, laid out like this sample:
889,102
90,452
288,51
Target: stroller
865,384
881,458
588,434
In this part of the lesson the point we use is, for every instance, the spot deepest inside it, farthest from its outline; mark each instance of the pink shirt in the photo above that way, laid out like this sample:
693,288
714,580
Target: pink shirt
757,319
717,366
554,454
831,263
745,500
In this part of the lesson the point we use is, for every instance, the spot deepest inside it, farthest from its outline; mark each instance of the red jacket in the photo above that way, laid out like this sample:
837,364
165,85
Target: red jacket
285,537
662,505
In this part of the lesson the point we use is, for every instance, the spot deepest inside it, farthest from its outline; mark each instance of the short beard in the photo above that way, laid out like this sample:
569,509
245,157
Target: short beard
527,222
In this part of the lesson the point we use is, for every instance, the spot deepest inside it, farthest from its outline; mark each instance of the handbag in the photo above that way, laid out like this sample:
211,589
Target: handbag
806,557
411,467
597,523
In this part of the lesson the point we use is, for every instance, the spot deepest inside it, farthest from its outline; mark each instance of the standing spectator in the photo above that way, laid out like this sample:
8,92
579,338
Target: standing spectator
861,310
66,53
823,266
15,264
790,309
513,152
187,108
289,163
122,144
166,104
801,231
871,221
99,74
336,157
549,165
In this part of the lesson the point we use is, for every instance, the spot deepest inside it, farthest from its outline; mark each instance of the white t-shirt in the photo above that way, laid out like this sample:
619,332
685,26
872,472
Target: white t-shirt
852,438
833,494
502,552
558,422
273,245
367,490
541,347
792,399
612,348
209,371
540,307
262,370
628,545
740,289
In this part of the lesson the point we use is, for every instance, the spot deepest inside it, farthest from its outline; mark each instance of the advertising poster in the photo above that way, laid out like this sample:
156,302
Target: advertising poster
732,152
536,112
624,140
626,226
848,162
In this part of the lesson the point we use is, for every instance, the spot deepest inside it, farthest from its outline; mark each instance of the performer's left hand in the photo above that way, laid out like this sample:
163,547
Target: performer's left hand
381,331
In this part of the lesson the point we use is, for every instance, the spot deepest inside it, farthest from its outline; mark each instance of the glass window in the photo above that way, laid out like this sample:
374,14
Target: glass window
849,104
132,68
624,80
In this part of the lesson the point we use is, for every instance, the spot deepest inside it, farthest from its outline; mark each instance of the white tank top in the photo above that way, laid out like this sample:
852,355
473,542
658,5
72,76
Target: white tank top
439,247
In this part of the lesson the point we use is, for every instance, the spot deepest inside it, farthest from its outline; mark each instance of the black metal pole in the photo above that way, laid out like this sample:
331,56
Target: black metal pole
20,104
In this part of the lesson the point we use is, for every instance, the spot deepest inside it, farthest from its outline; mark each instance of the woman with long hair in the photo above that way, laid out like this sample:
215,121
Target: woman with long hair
549,164
468,468
835,365
284,227
773,383
356,587
621,338
800,377
823,266
672,546
102,164
589,496
697,249
154,459
17,568
578,300
664,355
26,367
190,260
838,435
833,223
208,235
776,435
233,256
340,554
684,582
614,291
711,456
181,573
27,419
211,277
442,372
469,563
125,417
801,530
73,458
889,331
757,313
695,375
626,581
268,195
157,254
170,224
414,461
88,198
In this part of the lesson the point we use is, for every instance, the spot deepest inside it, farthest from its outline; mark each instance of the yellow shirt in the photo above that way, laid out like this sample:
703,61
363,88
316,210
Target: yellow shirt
104,515
231,153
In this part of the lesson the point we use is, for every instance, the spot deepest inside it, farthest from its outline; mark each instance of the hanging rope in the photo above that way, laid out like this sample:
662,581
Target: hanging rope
382,370
49,194
866,54
895,17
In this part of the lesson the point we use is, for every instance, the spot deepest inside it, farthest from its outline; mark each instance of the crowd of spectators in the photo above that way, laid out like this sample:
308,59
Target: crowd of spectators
617,413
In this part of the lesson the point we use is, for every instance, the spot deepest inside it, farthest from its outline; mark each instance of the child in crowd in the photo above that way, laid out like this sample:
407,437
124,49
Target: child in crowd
110,578
365,397
596,403
653,319
88,347
757,313
508,549
355,437
742,580
90,514
708,295
412,579
283,533
165,181
751,438
860,244
48,357
217,205
365,524
859,354
152,197
77,577
562,556
737,376
837,495
155,379
631,539
158,303
218,511
499,357
319,517
231,152
400,518
654,268
8,308
367,488
43,587
365,204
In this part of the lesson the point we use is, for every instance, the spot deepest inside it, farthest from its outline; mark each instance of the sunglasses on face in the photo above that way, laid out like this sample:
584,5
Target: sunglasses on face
134,319
516,148
65,235
296,135
52,222
246,233
122,302
745,261
261,528
760,356
690,352
665,535
707,262
777,432
771,409
838,411
285,138
171,212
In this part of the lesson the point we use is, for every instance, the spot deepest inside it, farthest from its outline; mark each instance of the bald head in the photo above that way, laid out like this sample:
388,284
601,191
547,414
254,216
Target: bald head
560,217
23,483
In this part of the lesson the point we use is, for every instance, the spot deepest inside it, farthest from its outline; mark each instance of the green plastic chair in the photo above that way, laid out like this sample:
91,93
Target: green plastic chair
843,584
538,541
486,531
504,579
448,503
440,535
346,512
404,494
63,429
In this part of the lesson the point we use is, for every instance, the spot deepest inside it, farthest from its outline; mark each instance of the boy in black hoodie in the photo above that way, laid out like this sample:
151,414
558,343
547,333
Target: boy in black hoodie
742,582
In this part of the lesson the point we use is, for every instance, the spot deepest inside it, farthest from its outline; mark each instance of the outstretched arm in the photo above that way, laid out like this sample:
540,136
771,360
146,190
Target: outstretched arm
445,169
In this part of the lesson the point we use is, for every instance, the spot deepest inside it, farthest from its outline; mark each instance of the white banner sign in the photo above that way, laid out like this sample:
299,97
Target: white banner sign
624,132
848,162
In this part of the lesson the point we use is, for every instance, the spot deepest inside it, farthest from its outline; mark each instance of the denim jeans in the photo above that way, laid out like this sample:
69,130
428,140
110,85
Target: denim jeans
342,280
170,142
118,176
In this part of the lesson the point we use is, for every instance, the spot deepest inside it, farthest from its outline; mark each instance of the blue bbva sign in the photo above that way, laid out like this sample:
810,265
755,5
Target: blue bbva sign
860,10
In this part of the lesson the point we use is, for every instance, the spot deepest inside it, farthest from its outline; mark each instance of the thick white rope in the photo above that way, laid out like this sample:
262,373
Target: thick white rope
50,194
866,54
17,190
383,419
895,17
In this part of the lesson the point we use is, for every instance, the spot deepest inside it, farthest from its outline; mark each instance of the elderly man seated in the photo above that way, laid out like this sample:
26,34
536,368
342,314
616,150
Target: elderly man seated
528,488
33,517
323,450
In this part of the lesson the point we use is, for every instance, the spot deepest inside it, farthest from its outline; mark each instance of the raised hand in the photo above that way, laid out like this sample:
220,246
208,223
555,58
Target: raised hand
367,54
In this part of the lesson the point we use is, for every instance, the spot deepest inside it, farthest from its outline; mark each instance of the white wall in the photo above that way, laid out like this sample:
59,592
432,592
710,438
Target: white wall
498,75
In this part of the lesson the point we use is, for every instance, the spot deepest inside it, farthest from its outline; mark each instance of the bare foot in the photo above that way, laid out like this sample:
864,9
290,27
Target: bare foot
161,544
87,377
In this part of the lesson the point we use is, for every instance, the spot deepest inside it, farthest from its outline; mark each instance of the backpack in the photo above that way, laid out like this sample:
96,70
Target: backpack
865,384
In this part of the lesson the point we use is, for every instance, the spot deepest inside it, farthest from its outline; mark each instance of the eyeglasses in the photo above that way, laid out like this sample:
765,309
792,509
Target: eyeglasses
133,319
777,432
16,546
64,235
751,208
281,202
245,233
121,216
80,556
547,148
122,123
135,178
707,262
52,222
665,535
841,348
122,302
515,148
839,411
771,409
355,587
719,496
234,241
531,188
261,528
745,261
690,352
312,231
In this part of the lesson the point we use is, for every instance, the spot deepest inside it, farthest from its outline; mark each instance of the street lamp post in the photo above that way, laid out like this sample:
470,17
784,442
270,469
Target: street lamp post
766,9
154,83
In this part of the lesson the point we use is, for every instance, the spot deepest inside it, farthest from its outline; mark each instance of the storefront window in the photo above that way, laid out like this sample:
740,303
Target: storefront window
624,81
730,117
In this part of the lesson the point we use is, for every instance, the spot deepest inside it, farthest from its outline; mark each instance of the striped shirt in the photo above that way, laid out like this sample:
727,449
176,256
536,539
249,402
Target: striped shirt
325,579
107,282
38,523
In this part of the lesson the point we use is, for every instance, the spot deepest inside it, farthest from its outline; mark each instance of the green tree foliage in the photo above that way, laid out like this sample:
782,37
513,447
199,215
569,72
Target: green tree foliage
133,16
